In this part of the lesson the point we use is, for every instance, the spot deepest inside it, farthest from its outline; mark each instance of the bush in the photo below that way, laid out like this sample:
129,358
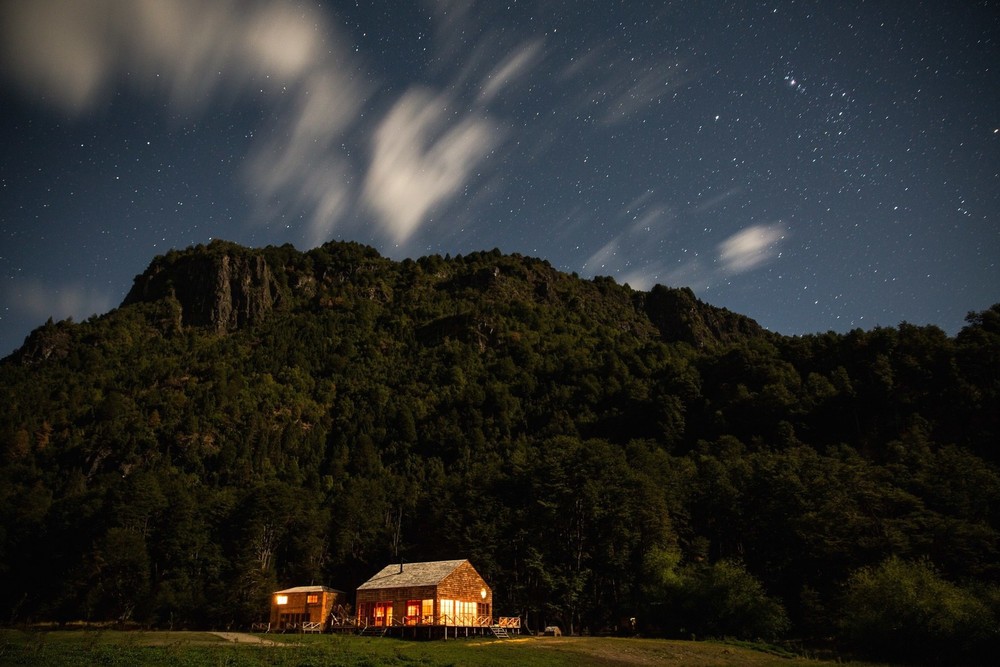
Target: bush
724,600
905,611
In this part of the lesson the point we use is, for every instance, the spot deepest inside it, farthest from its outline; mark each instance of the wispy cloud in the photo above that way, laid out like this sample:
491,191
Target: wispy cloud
286,55
636,254
41,300
421,156
302,165
72,52
712,203
751,247
615,88
643,254
604,258
516,64
641,90
65,51
288,58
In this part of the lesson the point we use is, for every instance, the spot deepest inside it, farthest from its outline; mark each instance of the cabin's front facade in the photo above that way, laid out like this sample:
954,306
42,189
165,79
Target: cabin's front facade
434,594
303,608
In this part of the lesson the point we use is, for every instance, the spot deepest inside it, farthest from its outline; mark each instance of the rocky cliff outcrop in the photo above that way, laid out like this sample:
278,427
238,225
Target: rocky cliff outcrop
681,317
223,289
50,341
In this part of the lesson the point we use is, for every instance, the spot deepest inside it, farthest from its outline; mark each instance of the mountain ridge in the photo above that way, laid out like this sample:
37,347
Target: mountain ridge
252,419
225,287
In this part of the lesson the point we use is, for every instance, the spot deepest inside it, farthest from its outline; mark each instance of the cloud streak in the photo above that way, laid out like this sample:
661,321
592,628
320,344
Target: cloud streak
286,54
73,52
750,248
642,254
65,51
616,89
288,58
40,300
419,160
513,66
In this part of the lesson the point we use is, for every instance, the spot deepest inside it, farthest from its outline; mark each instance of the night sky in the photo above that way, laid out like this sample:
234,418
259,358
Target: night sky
815,165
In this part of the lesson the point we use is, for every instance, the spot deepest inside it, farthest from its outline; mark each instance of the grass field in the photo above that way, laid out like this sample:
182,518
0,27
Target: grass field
195,649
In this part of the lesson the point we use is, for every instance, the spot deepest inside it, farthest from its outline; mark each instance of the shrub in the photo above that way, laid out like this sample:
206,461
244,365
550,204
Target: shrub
902,610
723,600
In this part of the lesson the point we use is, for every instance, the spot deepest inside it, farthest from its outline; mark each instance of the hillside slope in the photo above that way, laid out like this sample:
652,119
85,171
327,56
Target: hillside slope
250,419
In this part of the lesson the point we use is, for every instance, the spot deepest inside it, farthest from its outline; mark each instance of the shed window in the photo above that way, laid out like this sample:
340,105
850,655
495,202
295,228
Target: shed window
281,599
312,598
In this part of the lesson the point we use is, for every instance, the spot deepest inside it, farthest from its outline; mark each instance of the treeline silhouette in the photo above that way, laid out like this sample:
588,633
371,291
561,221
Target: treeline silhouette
599,453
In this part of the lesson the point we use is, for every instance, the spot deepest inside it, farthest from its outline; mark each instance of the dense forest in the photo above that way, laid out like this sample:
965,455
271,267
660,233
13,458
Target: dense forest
251,419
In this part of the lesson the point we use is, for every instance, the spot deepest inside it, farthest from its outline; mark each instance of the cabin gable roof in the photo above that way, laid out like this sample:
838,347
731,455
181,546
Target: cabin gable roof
307,589
412,574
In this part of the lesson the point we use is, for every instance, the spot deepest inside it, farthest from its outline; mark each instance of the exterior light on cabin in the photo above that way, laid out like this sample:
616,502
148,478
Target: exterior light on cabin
281,599
482,593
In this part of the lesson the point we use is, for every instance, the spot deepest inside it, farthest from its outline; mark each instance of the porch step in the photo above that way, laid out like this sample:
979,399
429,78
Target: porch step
499,632
373,631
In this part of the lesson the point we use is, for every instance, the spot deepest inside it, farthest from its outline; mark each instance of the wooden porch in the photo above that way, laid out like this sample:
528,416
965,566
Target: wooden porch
445,628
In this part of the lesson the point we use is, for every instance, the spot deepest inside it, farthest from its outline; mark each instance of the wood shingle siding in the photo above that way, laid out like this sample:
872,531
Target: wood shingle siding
438,593
303,607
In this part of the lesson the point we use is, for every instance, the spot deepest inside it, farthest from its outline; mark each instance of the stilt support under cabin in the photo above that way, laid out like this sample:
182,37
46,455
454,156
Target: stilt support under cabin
433,631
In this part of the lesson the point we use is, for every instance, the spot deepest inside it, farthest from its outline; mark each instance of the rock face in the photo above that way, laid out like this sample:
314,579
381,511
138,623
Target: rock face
220,290
51,341
681,317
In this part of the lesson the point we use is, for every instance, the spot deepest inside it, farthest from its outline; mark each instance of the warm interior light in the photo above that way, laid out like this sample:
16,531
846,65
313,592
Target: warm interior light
281,599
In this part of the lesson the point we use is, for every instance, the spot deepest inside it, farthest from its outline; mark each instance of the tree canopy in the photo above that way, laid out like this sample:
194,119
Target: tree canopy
599,453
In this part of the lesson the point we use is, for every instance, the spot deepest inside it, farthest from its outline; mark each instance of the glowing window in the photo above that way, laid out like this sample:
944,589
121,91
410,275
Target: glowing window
447,608
281,599
312,599
383,614
465,613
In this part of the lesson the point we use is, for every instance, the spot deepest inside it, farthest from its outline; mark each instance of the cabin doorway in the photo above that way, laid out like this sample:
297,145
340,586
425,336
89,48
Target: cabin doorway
383,614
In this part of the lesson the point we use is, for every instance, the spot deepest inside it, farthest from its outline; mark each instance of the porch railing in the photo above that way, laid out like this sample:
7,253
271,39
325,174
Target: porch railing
461,620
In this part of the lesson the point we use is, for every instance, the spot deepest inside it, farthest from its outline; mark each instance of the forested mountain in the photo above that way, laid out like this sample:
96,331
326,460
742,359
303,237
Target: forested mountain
254,419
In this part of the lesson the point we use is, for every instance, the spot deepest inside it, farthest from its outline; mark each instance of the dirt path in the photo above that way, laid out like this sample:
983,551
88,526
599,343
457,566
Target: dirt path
245,638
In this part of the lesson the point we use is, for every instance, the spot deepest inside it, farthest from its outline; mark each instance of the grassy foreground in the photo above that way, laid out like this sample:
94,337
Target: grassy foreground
182,649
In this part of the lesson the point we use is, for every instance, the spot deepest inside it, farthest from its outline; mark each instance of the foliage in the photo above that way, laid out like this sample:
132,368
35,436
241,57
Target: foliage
905,609
599,453
720,599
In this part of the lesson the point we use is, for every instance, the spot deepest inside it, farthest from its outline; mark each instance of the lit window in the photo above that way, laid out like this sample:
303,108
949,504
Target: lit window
281,599
312,599
447,608
465,613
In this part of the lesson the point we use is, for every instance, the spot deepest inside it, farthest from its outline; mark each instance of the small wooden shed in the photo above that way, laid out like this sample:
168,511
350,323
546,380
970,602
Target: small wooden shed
437,593
303,607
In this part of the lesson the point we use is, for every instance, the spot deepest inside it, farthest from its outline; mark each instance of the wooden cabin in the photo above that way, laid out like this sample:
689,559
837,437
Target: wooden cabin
439,593
303,608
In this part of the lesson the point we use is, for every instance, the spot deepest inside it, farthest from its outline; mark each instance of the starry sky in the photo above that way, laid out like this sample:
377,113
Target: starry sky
815,165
